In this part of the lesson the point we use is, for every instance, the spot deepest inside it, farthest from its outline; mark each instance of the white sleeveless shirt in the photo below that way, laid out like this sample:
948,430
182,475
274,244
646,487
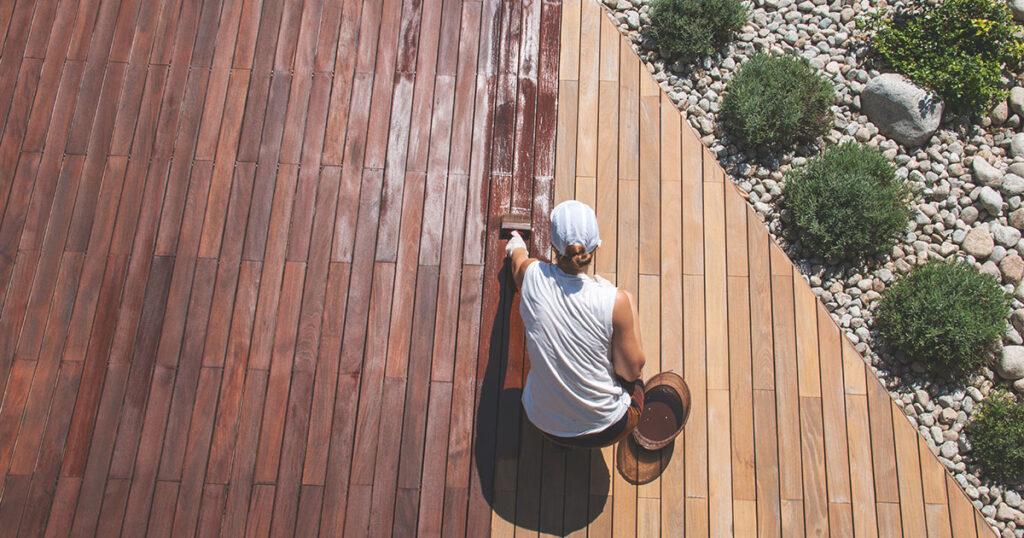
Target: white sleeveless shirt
571,389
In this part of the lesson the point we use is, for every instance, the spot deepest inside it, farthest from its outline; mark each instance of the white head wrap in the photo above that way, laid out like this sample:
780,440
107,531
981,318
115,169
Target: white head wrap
574,223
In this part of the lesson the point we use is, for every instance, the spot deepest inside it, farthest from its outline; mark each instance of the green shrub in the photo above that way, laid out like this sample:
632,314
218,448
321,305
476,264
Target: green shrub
957,48
997,435
688,29
945,314
774,101
848,202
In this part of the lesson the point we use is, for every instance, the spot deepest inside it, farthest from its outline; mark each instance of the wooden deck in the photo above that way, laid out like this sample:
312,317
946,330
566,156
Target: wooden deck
251,284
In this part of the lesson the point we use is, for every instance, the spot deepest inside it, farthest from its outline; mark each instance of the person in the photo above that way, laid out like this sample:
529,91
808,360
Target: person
584,388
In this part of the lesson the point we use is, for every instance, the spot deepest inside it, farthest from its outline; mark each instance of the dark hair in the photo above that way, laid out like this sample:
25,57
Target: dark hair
575,259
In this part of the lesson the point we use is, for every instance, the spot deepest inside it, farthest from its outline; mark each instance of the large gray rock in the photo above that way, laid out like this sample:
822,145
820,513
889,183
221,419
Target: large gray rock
999,113
1012,268
1008,236
1017,145
1017,96
1017,8
990,200
986,174
900,109
1012,183
1016,218
1011,363
978,242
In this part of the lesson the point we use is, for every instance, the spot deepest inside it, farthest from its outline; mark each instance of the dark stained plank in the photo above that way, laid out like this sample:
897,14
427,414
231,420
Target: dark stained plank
432,486
45,496
90,493
463,396
44,381
234,375
240,484
388,442
326,380
308,517
58,522
212,506
275,405
405,281
191,494
413,436
13,404
309,197
161,517
368,417
287,499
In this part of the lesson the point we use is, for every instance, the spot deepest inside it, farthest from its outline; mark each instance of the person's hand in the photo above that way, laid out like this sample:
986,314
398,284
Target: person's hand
514,242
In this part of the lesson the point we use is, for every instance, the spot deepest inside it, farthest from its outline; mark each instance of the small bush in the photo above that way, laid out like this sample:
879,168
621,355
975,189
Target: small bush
957,48
848,202
774,101
688,29
945,314
997,435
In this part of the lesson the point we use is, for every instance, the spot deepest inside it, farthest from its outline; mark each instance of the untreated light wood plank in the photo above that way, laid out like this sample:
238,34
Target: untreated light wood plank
912,513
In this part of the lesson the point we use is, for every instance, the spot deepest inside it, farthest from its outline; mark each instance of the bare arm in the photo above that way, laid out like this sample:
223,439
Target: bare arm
519,261
627,354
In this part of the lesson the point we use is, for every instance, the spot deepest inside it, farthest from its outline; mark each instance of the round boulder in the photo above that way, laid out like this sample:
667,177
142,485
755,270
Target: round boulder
1012,268
986,174
978,242
990,200
1012,183
900,109
1017,8
1011,363
1017,92
1017,145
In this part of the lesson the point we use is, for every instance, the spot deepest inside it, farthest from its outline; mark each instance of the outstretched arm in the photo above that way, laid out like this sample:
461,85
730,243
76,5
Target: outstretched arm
627,354
519,258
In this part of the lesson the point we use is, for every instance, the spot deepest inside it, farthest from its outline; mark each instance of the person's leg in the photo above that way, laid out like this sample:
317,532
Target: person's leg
636,408
614,433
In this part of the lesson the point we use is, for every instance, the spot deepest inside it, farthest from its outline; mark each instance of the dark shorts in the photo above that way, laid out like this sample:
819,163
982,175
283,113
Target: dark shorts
614,433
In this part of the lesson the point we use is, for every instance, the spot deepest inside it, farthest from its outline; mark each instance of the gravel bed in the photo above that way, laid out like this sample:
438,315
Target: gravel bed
967,179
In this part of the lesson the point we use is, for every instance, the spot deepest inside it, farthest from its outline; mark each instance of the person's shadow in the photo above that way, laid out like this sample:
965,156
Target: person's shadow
526,479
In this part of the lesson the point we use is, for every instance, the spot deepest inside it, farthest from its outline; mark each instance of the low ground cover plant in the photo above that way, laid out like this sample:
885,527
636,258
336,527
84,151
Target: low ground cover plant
997,435
777,100
946,315
956,48
848,202
688,29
